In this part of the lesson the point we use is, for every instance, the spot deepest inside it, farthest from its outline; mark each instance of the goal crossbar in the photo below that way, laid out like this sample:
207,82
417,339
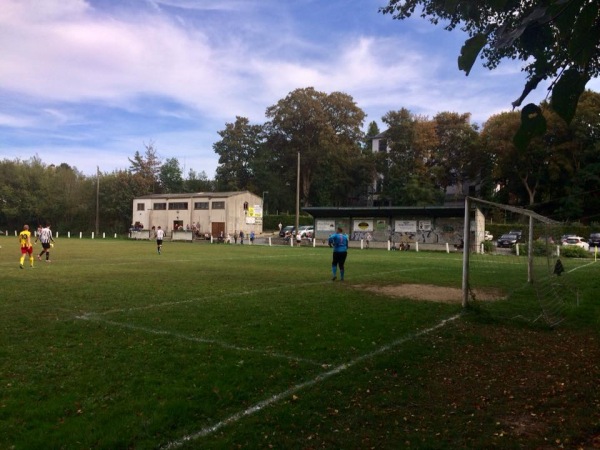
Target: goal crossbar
516,209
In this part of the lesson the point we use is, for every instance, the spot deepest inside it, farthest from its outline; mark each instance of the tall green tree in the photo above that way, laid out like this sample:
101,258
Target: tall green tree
581,196
146,167
527,176
118,189
239,144
170,176
455,158
324,129
198,182
404,166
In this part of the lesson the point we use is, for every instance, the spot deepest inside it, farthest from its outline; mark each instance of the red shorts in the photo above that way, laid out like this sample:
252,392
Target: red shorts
27,250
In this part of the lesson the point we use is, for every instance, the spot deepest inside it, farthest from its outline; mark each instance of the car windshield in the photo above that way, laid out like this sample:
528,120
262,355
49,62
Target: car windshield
573,240
508,236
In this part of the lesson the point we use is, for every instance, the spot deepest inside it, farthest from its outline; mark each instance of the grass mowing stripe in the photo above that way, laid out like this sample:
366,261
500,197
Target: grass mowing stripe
275,398
91,317
237,294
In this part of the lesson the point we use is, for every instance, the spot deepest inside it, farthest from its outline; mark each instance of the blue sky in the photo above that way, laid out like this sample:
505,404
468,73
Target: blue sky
90,82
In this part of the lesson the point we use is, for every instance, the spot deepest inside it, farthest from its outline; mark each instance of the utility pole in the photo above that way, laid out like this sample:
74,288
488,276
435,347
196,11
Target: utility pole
97,200
298,194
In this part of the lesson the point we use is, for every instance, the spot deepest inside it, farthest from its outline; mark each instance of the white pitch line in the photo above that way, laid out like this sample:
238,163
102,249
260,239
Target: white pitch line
92,317
277,397
579,267
234,294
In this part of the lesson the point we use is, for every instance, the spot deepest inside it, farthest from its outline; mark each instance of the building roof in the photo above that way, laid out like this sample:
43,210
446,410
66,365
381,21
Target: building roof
194,195
386,211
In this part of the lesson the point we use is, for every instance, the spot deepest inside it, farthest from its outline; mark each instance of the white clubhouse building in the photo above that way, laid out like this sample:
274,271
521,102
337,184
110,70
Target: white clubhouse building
200,212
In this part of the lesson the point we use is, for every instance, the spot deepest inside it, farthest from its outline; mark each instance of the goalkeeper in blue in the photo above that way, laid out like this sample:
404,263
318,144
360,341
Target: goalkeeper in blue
339,242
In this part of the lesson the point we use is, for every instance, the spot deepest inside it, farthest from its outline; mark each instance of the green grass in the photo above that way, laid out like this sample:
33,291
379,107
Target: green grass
112,346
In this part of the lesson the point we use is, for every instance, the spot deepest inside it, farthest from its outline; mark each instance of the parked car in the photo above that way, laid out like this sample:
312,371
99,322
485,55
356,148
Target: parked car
507,240
306,231
564,237
594,240
289,229
487,236
519,233
577,241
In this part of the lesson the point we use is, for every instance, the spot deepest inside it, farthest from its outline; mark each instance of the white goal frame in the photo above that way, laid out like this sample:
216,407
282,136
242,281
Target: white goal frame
469,206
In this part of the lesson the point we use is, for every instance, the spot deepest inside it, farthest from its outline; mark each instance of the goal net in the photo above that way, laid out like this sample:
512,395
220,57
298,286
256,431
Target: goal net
518,272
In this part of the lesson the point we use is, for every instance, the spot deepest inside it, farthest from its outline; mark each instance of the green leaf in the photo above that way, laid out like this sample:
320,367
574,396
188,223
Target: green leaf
498,5
533,123
564,14
566,93
582,46
469,52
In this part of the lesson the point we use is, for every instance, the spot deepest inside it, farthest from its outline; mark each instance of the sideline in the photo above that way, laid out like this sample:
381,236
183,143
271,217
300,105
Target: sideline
277,397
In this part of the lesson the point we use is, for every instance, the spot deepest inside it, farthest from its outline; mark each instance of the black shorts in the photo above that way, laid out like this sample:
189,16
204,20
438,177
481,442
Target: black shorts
45,245
159,242
339,258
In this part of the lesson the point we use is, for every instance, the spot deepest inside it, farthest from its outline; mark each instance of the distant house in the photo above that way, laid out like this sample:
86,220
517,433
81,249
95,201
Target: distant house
201,212
454,195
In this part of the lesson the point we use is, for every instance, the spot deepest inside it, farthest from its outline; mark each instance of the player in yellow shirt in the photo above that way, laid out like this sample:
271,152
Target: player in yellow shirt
26,246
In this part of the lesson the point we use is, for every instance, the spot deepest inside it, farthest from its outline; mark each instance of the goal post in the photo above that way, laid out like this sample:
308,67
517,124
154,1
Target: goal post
520,271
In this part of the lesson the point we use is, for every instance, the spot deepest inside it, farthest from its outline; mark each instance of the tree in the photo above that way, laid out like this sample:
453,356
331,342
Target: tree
556,39
372,131
455,157
405,165
325,129
147,168
118,190
170,177
198,182
237,148
524,176
582,184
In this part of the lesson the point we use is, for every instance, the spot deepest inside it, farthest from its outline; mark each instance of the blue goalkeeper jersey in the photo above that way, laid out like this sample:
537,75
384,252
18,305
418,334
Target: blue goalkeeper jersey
339,242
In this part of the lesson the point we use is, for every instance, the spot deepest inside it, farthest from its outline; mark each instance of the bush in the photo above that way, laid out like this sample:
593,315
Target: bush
539,249
489,246
572,251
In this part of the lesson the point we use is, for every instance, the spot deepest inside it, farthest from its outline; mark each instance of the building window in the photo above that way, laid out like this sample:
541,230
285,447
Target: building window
141,206
382,145
218,205
160,206
178,205
201,205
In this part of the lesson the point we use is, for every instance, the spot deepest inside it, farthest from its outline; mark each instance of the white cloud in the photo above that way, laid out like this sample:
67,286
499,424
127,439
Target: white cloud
91,78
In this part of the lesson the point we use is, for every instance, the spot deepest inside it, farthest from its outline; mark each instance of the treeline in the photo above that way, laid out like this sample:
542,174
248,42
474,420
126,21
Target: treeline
33,192
421,158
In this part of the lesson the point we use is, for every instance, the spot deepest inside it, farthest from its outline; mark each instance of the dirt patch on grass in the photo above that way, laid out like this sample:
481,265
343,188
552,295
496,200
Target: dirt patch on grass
431,293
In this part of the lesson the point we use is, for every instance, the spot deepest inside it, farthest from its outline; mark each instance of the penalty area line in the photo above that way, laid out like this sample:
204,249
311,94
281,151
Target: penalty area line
90,317
287,393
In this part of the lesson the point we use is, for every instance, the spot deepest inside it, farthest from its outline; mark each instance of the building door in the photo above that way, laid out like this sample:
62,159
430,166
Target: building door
177,224
218,228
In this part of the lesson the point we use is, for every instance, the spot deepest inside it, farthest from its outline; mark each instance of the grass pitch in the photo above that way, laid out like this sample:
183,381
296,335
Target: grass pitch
219,346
